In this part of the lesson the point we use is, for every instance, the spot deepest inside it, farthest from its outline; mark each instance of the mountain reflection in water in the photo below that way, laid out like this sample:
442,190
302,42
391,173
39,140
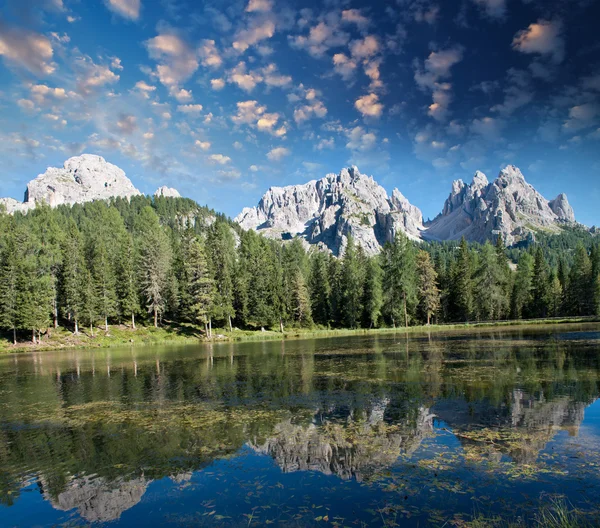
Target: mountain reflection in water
93,436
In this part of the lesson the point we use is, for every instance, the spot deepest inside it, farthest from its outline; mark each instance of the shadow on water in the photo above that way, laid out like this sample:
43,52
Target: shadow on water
471,429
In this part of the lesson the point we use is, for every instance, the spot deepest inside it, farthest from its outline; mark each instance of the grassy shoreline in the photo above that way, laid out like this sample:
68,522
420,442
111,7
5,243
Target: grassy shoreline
121,336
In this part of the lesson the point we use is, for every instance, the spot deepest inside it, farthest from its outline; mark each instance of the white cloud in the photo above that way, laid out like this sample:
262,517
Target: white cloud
44,95
229,175
320,38
429,76
354,16
369,105
582,116
273,78
26,104
204,145
493,8
217,84
27,50
437,66
544,38
126,8
144,88
194,109
365,48
325,144
344,66
219,159
442,97
256,116
259,5
278,153
518,92
209,54
182,95
92,76
361,140
246,80
312,106
487,127
428,14
257,31
177,61
126,124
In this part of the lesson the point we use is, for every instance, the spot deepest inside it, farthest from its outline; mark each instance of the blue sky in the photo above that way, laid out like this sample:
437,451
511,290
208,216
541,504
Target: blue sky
225,99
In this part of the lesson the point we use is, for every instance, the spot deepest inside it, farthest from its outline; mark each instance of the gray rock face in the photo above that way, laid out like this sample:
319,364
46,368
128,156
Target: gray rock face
82,179
325,212
509,206
167,192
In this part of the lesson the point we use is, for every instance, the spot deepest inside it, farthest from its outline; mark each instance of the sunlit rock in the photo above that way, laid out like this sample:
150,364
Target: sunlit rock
327,211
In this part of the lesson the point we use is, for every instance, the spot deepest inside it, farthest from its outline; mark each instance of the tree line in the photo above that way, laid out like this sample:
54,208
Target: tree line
166,260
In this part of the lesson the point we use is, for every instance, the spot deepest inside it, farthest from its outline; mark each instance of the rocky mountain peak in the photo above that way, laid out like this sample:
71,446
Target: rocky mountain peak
508,207
327,211
562,208
167,192
81,179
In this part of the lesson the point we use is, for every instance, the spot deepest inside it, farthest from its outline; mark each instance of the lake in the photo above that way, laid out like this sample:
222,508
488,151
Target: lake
375,430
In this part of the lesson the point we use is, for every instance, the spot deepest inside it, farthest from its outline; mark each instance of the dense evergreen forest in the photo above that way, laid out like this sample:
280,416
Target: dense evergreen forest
168,260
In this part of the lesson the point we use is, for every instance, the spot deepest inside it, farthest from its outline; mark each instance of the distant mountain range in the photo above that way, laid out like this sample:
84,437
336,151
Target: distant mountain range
325,212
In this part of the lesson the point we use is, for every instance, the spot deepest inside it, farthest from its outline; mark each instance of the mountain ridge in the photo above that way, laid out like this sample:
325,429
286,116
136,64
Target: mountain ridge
508,206
326,211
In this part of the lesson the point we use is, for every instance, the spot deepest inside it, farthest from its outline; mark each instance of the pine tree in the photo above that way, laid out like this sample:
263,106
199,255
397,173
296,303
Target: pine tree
504,278
580,292
427,286
320,288
555,295
104,279
10,270
301,301
372,293
200,285
540,286
72,272
47,229
522,288
334,272
127,279
91,301
489,285
352,284
399,279
563,277
35,289
462,283
154,264
221,246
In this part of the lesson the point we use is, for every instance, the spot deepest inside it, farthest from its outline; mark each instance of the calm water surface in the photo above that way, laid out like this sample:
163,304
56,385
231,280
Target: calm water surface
355,431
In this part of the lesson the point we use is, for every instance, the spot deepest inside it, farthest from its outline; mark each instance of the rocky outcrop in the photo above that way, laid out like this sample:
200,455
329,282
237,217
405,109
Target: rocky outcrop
509,207
82,179
326,211
167,192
